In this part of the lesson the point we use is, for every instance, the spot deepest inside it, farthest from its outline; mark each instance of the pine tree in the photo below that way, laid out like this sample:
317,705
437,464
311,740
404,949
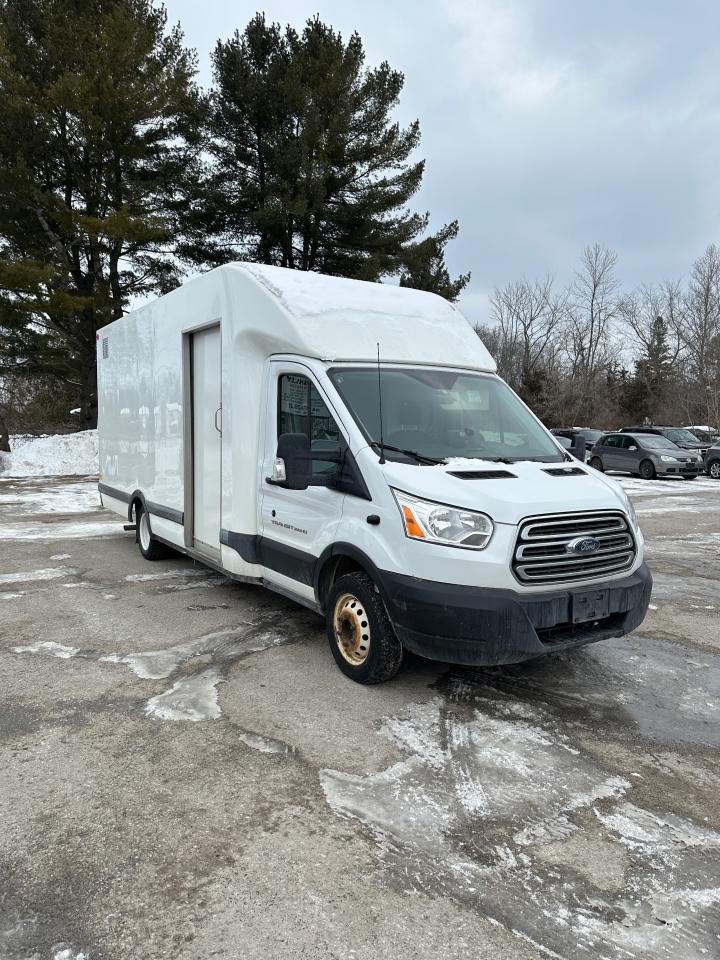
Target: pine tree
425,268
97,109
308,170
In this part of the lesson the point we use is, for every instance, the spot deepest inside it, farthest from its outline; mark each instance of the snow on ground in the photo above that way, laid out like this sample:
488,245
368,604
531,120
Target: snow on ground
77,496
52,456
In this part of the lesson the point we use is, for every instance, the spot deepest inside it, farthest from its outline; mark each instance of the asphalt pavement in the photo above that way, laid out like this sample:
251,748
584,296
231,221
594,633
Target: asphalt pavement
185,774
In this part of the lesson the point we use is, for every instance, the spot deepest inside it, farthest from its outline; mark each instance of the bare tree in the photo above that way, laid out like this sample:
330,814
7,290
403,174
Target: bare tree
528,316
701,330
593,308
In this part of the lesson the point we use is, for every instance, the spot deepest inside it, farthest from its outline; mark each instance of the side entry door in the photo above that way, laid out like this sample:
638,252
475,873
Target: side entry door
206,441
297,525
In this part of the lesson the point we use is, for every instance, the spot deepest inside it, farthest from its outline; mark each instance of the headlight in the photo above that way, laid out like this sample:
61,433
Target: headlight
439,523
668,459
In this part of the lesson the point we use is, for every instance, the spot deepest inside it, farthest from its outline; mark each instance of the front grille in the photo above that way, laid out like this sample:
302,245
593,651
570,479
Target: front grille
541,554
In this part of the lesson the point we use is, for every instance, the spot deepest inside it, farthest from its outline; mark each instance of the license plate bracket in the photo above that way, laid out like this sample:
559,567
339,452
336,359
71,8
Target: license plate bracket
593,605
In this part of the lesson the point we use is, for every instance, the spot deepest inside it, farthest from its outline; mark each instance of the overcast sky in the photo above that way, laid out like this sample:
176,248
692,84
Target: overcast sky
547,124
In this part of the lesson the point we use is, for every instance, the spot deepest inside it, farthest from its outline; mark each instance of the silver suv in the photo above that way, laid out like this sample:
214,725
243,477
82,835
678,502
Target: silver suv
646,454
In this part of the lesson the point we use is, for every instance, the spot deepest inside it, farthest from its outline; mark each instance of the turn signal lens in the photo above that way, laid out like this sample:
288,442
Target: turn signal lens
412,527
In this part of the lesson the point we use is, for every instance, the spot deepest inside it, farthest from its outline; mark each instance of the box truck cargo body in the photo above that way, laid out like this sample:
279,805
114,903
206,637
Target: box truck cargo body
350,445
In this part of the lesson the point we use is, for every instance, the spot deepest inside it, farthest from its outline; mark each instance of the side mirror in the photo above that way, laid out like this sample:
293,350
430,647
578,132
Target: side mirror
578,448
293,452
632,449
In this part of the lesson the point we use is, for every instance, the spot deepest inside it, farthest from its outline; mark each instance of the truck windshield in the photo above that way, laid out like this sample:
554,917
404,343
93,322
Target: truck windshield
441,414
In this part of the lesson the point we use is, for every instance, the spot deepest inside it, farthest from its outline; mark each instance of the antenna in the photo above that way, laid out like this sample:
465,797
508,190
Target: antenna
382,441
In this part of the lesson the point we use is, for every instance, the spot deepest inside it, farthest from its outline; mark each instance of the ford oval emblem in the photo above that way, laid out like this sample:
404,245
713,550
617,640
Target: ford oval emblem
583,545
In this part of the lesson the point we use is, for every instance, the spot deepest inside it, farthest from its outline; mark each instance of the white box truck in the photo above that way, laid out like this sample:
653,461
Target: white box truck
246,420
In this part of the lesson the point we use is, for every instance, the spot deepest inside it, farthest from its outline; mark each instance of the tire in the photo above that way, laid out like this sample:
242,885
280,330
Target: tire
647,470
359,631
713,469
150,548
597,464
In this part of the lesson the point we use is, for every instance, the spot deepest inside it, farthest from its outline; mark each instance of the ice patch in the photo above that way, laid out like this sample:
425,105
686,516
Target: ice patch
490,808
49,646
264,744
193,698
62,952
60,530
164,575
157,664
61,556
47,573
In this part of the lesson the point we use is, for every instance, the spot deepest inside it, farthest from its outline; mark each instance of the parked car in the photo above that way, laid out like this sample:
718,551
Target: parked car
706,435
586,434
645,454
678,435
712,461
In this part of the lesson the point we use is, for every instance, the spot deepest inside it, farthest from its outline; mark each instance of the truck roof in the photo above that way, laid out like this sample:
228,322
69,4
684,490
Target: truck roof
273,310
334,318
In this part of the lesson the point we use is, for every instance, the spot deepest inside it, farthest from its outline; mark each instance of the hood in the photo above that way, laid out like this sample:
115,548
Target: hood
529,489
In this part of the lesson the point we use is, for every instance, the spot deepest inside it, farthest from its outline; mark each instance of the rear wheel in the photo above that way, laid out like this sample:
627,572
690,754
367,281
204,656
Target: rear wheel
359,631
596,463
647,470
714,469
150,548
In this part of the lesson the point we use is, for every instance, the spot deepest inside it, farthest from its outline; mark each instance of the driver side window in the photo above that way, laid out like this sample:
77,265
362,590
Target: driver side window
301,409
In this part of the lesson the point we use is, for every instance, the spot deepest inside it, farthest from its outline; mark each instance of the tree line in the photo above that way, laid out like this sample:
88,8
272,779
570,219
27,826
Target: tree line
591,354
118,174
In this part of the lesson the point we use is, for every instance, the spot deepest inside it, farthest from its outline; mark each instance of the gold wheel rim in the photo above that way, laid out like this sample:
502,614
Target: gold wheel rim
352,629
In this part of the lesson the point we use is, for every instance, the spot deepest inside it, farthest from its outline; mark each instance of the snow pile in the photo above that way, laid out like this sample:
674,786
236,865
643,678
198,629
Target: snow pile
53,456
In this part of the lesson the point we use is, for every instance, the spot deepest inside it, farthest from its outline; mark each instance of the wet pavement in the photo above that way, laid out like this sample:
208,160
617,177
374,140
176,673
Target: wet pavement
186,774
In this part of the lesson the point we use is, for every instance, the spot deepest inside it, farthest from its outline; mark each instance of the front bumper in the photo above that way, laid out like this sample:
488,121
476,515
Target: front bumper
680,469
478,626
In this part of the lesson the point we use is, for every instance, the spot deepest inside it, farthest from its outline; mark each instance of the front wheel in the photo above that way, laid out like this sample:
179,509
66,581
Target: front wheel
714,469
150,548
361,636
647,470
596,464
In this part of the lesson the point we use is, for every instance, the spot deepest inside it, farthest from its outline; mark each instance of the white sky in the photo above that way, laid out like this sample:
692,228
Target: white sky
547,124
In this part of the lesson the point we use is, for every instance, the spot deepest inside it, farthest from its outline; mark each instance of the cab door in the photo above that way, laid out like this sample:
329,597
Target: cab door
297,525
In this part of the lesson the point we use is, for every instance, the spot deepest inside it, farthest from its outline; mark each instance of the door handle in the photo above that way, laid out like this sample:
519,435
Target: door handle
219,429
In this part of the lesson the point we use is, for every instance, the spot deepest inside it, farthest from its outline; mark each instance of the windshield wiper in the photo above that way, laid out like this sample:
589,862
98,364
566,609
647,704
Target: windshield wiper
420,457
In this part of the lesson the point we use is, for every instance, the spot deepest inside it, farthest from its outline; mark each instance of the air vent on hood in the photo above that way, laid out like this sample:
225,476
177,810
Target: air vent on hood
483,474
566,472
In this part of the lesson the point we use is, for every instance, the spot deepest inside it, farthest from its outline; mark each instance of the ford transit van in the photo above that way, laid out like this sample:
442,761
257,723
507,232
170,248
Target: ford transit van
350,446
